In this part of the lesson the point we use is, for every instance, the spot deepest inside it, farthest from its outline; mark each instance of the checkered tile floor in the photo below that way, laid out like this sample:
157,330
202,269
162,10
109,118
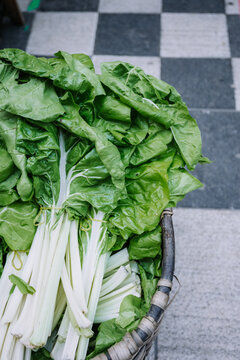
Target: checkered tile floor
193,45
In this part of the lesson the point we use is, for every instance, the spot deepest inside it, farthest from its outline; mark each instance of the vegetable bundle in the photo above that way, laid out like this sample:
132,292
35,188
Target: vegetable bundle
87,165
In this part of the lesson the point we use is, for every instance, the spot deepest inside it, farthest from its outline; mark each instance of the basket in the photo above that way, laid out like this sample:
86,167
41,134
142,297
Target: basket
136,345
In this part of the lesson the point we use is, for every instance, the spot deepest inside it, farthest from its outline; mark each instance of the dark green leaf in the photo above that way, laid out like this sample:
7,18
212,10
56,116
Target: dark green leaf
146,245
17,225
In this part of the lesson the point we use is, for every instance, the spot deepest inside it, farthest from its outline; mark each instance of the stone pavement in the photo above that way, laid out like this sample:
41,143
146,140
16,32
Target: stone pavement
203,322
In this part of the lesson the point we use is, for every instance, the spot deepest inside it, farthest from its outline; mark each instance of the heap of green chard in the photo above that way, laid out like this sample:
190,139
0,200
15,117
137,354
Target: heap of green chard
87,165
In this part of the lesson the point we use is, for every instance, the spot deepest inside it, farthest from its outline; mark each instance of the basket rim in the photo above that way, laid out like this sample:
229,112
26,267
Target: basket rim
132,343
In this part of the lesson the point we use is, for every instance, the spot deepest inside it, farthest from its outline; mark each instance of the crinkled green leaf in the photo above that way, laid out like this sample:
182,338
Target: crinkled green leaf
157,101
151,147
146,245
17,227
8,130
26,62
35,99
180,181
151,266
41,146
24,287
148,195
93,184
107,152
76,65
8,197
188,138
6,165
111,108
148,286
11,181
55,69
137,131
114,77
131,309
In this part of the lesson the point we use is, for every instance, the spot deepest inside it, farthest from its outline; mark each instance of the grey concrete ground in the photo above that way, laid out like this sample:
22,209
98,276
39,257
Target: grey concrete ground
203,323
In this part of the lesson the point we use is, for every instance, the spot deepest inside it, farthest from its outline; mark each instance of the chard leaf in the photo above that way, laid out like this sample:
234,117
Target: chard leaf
157,101
148,286
76,65
35,99
26,62
109,333
137,131
180,181
8,197
146,245
41,145
151,147
111,108
62,73
107,152
131,309
147,197
17,227
10,182
205,160
22,285
188,138
8,129
115,76
6,165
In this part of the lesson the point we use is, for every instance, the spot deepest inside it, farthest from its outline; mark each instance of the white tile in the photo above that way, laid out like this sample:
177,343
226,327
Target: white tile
130,6
151,65
23,4
194,36
232,6
236,80
72,31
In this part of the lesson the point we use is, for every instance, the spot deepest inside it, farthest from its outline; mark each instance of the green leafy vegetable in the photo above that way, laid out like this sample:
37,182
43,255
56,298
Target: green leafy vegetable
22,285
87,165
17,225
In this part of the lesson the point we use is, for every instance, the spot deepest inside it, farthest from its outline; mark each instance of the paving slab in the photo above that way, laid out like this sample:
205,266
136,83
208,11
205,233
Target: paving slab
194,35
203,322
133,6
220,137
128,34
51,32
193,6
15,36
202,83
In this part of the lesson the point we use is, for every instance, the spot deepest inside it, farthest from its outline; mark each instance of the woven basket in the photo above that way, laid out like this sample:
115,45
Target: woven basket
136,345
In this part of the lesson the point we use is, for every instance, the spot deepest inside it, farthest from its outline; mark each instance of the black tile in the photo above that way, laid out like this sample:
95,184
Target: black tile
234,34
128,34
220,135
194,6
203,83
69,5
14,36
